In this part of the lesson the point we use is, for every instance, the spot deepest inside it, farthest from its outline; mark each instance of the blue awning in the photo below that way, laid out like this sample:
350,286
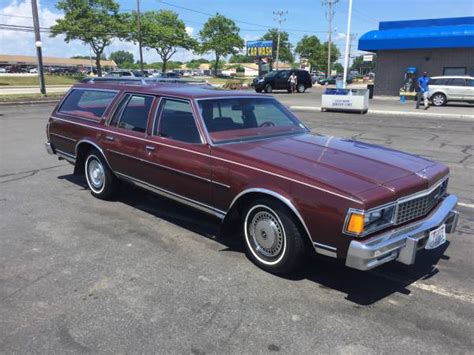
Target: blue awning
416,34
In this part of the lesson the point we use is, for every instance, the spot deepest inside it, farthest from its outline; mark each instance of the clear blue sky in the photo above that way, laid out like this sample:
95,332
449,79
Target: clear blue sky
253,17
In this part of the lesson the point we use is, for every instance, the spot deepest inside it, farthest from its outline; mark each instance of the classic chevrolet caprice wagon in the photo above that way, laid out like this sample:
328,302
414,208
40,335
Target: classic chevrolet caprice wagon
249,161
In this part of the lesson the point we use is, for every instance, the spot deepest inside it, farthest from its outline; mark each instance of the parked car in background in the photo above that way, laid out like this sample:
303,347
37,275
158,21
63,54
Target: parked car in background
126,73
3,70
170,74
451,88
247,160
332,80
278,80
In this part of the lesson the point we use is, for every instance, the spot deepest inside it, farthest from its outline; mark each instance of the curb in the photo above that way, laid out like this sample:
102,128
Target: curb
13,103
394,113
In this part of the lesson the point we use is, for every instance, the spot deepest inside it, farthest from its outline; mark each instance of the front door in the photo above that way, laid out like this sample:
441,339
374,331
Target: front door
180,161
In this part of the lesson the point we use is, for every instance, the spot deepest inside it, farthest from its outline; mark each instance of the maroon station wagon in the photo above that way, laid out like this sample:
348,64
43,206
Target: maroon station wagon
248,160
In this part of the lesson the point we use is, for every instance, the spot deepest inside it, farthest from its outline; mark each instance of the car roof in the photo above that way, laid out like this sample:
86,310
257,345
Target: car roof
453,77
173,89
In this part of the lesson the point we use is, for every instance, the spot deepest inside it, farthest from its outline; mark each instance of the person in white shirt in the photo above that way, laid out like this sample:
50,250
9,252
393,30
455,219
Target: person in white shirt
293,80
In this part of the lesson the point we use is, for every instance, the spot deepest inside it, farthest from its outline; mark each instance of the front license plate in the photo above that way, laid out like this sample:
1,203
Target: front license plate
437,237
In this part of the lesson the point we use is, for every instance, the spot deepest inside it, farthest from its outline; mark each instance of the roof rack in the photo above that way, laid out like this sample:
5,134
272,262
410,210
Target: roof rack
141,81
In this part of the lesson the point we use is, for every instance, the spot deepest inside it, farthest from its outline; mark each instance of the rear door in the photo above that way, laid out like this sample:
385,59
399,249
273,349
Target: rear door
456,88
281,80
125,139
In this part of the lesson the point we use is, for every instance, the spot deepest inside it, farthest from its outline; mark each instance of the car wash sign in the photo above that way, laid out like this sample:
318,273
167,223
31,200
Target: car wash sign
259,49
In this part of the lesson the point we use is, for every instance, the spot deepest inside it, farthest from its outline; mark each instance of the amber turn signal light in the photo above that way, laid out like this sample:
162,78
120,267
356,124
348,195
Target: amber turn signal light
356,223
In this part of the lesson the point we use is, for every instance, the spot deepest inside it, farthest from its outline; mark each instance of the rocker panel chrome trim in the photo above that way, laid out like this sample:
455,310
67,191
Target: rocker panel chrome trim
173,196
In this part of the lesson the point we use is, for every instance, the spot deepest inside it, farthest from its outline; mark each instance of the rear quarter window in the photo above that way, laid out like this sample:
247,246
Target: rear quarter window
90,104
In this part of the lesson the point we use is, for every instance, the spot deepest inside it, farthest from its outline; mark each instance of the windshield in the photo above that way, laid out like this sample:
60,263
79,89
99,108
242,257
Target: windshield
237,119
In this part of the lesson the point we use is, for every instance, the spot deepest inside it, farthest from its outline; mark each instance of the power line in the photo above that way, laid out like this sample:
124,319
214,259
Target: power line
237,20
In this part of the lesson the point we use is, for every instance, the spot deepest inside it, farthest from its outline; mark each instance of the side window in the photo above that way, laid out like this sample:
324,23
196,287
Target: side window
470,82
134,113
457,82
283,74
177,122
87,103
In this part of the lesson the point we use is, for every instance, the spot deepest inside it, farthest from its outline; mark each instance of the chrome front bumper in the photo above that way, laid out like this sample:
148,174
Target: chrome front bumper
402,243
49,148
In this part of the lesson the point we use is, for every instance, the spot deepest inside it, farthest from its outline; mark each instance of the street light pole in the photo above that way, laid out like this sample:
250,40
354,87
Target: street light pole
139,36
38,44
329,16
279,19
348,41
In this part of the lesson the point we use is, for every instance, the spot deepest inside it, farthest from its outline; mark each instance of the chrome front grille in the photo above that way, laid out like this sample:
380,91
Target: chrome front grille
420,206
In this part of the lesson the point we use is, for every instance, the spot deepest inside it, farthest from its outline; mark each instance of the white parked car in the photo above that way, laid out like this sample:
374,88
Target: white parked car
451,88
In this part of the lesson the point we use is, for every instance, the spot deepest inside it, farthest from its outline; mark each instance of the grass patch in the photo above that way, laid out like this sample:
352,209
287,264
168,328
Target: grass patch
222,81
31,97
33,80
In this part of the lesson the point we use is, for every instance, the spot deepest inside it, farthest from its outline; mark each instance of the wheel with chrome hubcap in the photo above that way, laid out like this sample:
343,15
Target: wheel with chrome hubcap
272,236
99,177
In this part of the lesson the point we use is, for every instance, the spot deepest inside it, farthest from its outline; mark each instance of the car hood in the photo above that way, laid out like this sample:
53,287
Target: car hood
343,165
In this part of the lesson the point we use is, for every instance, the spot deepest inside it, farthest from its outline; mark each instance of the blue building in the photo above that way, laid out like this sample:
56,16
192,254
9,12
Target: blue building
438,46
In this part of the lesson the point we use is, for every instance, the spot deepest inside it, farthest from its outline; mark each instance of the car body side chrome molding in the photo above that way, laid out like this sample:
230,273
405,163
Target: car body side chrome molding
168,168
66,156
63,137
218,158
174,196
325,249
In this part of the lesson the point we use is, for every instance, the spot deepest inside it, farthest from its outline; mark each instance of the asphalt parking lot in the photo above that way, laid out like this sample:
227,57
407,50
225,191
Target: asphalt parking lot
143,274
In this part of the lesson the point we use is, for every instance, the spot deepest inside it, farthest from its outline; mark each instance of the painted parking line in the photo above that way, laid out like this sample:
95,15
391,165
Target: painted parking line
467,205
457,295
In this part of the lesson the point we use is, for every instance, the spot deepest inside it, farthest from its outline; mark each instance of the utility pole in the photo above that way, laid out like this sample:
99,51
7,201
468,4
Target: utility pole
279,18
348,44
39,54
139,36
329,17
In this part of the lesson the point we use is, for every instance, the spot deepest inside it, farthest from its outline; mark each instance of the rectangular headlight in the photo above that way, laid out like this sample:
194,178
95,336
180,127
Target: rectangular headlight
360,223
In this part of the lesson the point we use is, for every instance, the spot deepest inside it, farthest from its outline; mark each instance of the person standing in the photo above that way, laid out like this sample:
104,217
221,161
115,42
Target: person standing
293,79
423,90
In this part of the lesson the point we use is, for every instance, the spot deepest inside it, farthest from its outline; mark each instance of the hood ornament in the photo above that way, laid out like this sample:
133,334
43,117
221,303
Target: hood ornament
422,174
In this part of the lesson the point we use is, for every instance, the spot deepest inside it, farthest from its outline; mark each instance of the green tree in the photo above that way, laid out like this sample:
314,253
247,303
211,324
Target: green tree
162,31
240,58
310,47
195,63
121,57
221,36
285,54
363,67
94,22
335,54
338,68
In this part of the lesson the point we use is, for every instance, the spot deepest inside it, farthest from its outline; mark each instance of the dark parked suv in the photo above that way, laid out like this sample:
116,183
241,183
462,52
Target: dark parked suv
278,80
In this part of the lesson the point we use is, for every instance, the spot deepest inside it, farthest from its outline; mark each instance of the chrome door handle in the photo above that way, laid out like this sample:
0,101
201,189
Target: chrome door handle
109,138
149,147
